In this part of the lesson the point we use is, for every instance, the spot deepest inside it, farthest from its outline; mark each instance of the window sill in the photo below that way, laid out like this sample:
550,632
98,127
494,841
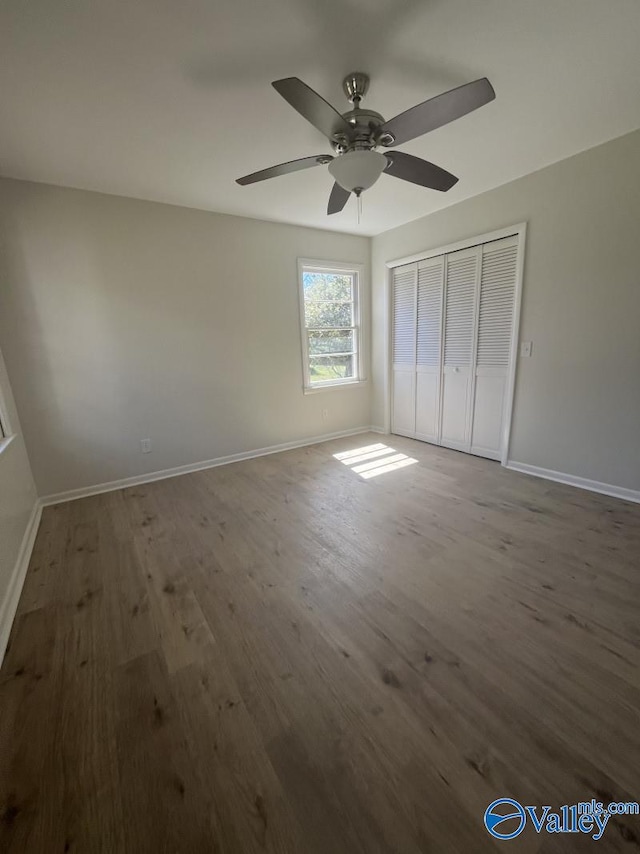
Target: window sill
315,389
4,443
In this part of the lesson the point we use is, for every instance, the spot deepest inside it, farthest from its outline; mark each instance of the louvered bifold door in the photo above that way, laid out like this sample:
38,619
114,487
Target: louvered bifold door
494,342
403,345
429,348
462,271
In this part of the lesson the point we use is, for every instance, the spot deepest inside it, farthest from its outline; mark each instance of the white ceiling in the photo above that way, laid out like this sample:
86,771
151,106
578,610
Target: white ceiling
171,101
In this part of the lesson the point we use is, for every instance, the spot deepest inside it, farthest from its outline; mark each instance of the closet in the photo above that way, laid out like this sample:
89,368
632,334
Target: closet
452,335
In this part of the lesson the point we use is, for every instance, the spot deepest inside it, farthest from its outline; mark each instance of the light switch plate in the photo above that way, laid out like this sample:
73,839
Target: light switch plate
526,349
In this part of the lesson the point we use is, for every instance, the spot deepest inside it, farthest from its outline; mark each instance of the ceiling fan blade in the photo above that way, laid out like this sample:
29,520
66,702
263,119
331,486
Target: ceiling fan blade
338,199
312,106
439,111
419,171
285,168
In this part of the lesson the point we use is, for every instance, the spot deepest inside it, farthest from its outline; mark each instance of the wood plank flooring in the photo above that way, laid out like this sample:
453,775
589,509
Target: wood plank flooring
284,655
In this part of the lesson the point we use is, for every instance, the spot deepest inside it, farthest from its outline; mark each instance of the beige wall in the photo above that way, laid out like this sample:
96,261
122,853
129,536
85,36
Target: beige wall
123,319
17,498
577,403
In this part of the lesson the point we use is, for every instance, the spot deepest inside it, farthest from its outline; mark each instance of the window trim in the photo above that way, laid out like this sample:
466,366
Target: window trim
7,434
357,270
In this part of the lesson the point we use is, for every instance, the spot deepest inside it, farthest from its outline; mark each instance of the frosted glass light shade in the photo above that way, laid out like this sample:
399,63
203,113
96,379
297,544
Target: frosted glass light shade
357,170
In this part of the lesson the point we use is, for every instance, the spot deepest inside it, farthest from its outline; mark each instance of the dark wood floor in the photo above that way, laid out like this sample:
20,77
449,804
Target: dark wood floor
281,655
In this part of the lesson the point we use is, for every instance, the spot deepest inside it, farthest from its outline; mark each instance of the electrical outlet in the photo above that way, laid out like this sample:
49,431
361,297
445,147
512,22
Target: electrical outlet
145,445
526,349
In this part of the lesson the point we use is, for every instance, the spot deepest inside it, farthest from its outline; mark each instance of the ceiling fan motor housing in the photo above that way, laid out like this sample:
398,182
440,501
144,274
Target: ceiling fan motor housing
365,123
365,133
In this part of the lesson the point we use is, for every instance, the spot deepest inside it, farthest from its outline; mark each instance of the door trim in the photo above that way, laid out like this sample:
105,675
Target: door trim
518,230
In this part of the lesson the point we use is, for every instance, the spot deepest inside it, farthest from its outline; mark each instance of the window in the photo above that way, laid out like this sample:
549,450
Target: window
330,311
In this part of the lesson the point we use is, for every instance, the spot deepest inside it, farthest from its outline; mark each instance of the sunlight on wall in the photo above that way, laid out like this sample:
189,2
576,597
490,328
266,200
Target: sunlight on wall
372,460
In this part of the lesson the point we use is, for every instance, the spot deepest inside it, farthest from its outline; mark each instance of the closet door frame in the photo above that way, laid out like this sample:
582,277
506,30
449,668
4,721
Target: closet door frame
520,231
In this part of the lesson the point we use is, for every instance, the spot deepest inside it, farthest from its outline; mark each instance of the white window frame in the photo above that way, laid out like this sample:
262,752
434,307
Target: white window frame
357,271
6,432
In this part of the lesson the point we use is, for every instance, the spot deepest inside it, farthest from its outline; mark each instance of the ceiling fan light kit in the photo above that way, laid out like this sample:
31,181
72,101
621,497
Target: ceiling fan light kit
356,134
356,171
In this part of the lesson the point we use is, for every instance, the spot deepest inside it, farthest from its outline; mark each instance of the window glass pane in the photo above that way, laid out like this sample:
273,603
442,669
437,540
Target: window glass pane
334,341
328,314
327,286
325,368
330,318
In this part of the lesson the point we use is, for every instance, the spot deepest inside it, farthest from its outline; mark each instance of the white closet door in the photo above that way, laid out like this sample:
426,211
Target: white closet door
429,348
404,349
461,279
495,334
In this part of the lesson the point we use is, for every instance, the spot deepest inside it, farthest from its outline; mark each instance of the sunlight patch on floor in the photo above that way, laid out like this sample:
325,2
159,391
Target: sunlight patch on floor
372,460
345,455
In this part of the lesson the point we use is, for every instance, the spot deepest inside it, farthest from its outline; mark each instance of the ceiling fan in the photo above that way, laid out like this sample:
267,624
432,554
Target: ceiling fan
356,134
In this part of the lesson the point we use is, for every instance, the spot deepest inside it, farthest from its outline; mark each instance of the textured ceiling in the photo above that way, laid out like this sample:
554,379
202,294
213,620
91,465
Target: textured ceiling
171,101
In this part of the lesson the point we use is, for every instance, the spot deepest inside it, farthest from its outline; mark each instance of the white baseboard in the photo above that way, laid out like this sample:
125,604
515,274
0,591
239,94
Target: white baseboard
379,430
9,606
111,486
574,480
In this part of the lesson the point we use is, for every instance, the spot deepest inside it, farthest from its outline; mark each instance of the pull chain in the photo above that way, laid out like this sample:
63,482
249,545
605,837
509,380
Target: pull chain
359,208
